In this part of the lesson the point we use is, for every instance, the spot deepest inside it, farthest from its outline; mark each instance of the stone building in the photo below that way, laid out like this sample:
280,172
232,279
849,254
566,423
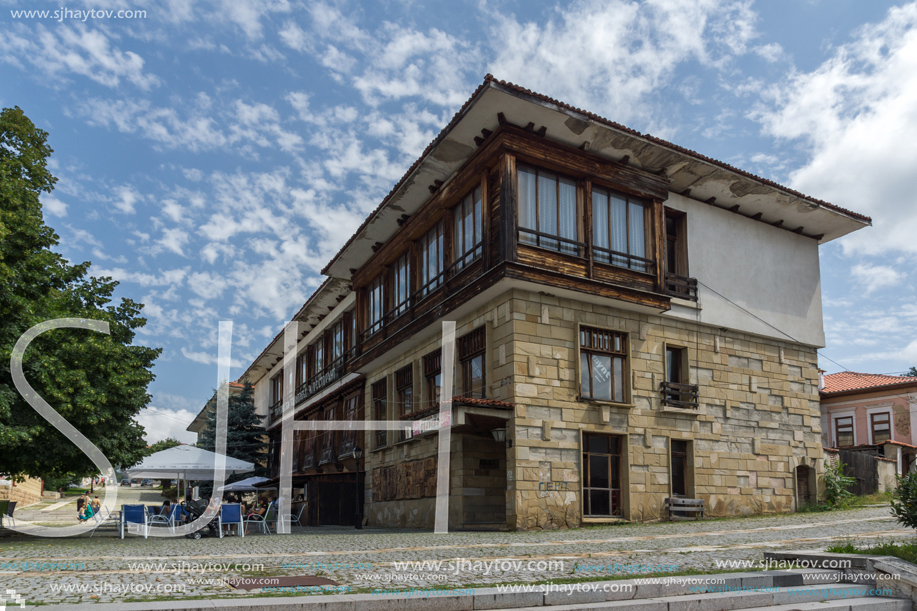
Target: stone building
633,321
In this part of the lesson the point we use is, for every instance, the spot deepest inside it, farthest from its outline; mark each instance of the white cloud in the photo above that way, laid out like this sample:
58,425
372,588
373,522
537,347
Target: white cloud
75,49
611,56
209,358
207,285
855,114
174,240
874,277
160,423
54,206
126,198
172,277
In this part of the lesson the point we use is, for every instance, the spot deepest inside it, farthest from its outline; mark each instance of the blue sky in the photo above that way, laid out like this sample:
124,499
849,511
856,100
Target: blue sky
214,155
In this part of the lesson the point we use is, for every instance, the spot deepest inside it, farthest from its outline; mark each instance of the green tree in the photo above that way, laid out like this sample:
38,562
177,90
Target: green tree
97,382
164,444
246,438
912,372
904,503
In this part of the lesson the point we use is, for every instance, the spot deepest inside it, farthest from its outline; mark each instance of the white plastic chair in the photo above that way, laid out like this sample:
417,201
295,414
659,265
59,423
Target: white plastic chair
294,518
262,520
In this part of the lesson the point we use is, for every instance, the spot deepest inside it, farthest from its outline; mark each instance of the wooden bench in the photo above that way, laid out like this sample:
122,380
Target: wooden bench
683,508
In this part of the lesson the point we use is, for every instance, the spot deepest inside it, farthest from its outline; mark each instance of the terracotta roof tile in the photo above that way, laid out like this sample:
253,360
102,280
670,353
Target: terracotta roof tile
483,402
846,381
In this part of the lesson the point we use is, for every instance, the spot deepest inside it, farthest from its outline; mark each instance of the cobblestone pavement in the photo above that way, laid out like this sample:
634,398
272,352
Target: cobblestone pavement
110,569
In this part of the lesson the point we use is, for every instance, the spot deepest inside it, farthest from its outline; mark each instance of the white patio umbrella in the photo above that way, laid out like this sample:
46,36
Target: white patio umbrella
246,485
186,463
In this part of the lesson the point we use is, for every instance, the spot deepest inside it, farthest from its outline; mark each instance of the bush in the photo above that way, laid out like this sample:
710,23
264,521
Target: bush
904,503
837,496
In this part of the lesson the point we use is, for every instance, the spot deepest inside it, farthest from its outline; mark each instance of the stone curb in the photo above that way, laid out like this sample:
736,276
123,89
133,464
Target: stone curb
630,593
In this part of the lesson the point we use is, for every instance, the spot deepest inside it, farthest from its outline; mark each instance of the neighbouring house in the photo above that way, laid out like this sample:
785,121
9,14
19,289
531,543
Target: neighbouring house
200,421
634,321
871,412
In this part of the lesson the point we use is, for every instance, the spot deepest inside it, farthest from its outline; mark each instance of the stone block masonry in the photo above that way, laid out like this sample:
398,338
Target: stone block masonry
757,420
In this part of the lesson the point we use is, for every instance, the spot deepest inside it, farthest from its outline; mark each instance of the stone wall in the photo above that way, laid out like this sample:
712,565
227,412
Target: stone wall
477,490
24,493
758,417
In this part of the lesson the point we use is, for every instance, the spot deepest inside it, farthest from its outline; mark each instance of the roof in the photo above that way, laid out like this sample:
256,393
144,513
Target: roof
482,402
570,125
850,381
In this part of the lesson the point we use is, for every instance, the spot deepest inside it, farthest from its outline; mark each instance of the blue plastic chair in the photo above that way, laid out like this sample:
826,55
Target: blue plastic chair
134,514
232,514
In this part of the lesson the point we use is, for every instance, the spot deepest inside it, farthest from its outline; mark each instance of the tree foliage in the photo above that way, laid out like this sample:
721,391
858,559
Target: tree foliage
246,438
904,504
912,372
837,493
164,444
97,382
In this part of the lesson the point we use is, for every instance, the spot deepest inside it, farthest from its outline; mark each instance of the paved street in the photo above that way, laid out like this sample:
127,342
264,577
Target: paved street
367,559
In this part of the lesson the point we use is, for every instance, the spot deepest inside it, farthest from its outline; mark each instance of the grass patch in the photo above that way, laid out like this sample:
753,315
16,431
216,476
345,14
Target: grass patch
879,498
904,551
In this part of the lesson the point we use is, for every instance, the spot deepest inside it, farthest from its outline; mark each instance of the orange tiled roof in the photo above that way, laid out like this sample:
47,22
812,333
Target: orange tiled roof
846,381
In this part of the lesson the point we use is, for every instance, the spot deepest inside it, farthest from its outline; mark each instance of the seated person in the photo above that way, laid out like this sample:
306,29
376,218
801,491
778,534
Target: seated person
96,504
87,512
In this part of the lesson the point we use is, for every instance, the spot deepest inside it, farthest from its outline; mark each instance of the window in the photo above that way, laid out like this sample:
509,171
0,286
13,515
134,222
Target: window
276,389
673,365
468,237
404,393
679,456
337,344
677,390
881,427
431,260
602,475
318,357
328,437
618,230
676,256
843,431
432,371
547,211
380,410
349,436
308,458
471,356
602,358
351,318
401,284
404,387
374,306
302,369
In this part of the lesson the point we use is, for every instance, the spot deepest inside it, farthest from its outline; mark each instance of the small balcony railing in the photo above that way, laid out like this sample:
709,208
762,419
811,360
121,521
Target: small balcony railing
682,396
681,286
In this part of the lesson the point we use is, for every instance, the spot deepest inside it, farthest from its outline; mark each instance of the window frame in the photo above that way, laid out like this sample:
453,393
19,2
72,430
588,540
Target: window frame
837,436
471,346
379,398
404,383
626,260
470,205
573,247
432,373
375,305
401,285
623,354
428,283
872,426
615,510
